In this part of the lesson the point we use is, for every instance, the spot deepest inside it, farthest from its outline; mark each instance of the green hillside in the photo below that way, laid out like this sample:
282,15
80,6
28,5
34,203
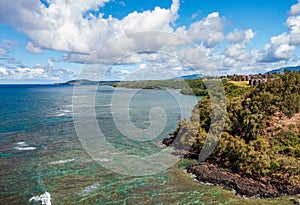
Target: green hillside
261,134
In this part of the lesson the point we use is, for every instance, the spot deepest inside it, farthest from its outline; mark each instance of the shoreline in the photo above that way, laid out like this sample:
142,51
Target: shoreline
213,173
243,186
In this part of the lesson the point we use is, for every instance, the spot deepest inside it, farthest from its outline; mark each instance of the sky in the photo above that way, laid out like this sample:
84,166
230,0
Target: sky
47,41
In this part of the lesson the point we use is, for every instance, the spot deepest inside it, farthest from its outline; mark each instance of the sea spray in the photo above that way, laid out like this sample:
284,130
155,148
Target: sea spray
62,161
45,198
87,190
24,146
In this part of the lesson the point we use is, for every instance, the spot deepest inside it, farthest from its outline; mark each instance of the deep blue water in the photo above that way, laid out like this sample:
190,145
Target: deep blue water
29,107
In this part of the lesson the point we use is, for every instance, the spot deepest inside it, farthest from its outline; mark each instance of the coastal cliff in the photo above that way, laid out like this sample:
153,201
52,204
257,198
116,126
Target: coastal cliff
259,147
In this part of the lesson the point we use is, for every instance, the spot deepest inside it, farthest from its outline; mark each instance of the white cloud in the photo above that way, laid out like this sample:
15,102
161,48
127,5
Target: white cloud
50,63
136,39
280,39
236,55
3,71
196,57
150,72
278,50
284,51
237,51
236,36
239,36
295,9
196,15
72,28
293,24
32,48
119,48
282,47
208,30
229,62
38,72
62,25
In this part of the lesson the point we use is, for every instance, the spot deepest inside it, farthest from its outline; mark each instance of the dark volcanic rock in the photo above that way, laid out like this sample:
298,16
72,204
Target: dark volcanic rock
246,186
192,155
213,172
169,141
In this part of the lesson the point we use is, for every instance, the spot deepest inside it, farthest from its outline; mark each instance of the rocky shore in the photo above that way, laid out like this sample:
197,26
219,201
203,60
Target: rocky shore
242,185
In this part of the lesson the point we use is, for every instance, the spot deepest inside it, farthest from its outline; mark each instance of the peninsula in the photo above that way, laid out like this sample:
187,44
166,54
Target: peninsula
259,148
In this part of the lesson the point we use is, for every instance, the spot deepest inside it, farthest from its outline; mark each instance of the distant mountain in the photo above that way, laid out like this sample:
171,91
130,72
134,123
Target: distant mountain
86,82
280,70
190,77
81,82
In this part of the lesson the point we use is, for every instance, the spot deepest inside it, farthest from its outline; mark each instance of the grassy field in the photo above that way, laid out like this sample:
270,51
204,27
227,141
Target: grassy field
240,83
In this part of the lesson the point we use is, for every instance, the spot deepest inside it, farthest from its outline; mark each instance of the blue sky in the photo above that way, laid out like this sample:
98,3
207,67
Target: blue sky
55,40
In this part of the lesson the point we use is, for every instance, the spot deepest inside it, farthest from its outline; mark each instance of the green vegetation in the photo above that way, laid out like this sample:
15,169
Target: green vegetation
195,87
152,84
261,135
188,87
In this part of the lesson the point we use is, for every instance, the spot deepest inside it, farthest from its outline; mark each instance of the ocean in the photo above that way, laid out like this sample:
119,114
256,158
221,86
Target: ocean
48,145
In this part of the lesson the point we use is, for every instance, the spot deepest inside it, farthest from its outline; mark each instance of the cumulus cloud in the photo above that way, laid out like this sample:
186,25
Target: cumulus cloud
195,58
79,29
3,72
276,52
208,30
239,36
140,38
293,23
32,48
63,25
295,9
236,54
282,47
73,28
284,51
236,51
38,72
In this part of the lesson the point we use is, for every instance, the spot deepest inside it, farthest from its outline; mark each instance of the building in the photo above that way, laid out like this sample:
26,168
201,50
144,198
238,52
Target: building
253,80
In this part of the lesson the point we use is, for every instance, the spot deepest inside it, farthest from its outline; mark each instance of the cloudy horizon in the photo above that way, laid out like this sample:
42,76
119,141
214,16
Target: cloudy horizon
52,40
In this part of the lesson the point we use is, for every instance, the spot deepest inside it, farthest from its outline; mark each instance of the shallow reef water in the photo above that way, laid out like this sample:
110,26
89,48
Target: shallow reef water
40,153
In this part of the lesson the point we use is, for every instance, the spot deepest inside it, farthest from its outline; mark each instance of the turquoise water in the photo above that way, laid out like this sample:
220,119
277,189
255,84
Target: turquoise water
40,150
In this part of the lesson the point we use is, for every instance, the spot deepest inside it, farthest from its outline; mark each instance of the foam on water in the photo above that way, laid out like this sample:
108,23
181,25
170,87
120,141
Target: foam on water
67,111
91,188
62,161
22,143
105,105
64,112
60,114
24,146
70,105
104,160
45,198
